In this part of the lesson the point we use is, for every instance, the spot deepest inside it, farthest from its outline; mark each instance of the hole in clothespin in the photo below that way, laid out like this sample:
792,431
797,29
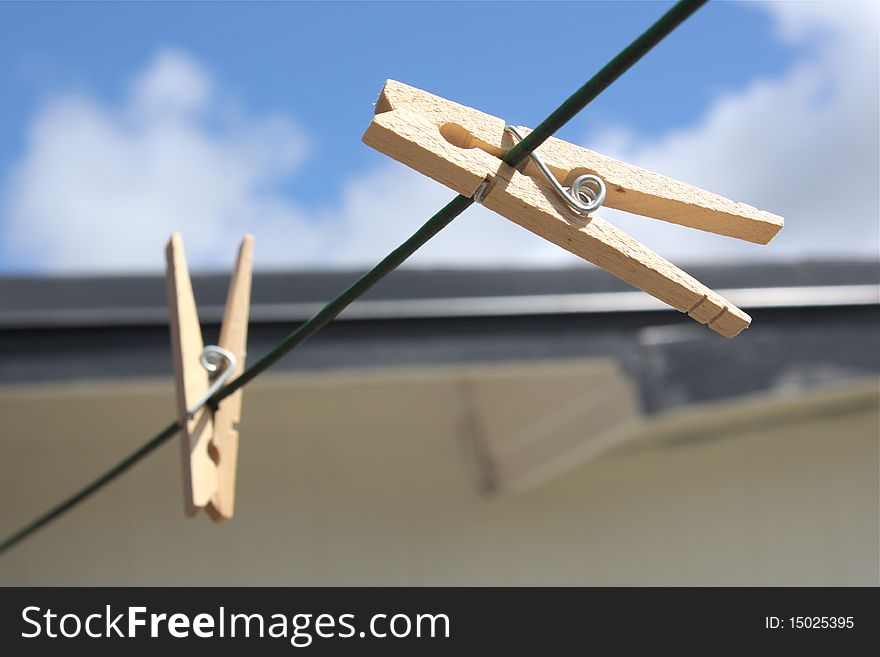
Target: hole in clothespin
458,135
461,137
213,453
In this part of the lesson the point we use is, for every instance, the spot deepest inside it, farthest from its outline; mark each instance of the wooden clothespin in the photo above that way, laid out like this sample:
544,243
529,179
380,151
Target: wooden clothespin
461,147
209,437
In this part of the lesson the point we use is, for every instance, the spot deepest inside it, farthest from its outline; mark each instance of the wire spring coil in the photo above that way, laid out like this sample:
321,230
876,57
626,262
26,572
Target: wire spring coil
586,194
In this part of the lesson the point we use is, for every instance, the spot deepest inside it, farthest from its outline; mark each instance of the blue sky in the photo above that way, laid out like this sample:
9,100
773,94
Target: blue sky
284,91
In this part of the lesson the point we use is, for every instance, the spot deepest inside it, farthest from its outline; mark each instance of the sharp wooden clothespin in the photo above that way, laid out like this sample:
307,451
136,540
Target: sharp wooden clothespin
209,437
461,147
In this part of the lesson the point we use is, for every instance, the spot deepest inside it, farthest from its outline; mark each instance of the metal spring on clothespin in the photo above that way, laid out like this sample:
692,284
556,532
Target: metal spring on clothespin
587,192
213,359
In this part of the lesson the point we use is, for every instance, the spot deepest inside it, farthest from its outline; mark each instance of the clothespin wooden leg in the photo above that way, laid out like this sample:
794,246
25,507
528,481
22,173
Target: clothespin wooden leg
531,203
233,338
199,470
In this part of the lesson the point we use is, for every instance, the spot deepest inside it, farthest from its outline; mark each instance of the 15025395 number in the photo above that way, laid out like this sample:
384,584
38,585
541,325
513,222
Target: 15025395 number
821,622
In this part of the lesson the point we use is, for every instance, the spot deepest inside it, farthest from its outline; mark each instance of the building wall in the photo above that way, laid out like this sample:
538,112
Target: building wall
370,478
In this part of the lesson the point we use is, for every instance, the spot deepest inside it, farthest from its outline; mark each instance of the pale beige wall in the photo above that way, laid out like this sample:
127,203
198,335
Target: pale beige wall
369,479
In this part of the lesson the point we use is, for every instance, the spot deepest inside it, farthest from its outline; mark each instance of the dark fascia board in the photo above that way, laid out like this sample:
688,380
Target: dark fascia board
58,302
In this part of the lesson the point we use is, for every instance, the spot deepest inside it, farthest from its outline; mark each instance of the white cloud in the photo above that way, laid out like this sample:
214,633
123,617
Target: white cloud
174,85
803,145
100,188
381,209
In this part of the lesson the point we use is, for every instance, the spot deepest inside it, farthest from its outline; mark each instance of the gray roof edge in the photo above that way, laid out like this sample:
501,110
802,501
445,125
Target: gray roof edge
33,302
451,307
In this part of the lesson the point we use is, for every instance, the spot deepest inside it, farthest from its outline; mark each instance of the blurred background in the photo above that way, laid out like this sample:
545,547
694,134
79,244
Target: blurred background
496,412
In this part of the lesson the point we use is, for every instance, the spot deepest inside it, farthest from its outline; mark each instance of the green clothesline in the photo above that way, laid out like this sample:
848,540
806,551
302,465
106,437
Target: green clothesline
519,152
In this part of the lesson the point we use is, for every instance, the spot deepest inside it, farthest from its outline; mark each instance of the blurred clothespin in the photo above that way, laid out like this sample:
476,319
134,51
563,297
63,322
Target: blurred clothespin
209,436
554,191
